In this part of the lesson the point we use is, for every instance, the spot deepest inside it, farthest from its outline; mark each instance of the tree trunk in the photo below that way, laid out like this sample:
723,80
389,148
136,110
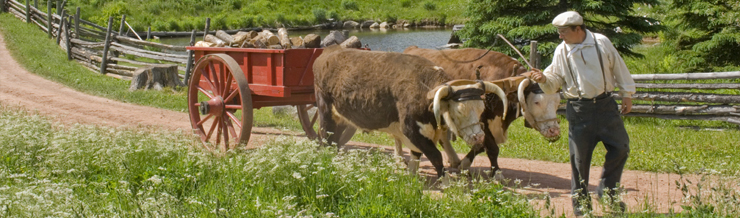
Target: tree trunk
155,77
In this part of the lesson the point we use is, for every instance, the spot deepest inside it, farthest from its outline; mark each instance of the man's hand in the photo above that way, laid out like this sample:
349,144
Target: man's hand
626,105
538,77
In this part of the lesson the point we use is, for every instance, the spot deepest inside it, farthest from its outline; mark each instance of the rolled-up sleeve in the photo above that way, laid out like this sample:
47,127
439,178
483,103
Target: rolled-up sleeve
553,73
622,77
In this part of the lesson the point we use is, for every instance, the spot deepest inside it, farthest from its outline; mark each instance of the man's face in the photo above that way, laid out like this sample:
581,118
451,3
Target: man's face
570,35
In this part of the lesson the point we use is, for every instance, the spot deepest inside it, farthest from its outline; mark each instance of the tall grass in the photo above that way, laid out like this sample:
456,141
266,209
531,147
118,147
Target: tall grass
83,171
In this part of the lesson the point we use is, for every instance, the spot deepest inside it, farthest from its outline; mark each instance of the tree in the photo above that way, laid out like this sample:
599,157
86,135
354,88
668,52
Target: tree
525,20
708,30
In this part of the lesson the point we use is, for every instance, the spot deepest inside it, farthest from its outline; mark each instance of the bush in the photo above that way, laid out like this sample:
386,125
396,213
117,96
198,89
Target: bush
430,6
320,15
350,5
406,3
334,15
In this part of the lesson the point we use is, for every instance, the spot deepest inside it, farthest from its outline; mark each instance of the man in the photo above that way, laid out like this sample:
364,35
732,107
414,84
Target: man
588,67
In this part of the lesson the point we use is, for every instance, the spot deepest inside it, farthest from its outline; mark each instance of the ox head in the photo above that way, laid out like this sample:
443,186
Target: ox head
539,109
460,104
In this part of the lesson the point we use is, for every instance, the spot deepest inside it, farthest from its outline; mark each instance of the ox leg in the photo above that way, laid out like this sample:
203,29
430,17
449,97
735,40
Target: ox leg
398,151
468,159
426,146
327,125
452,157
414,162
492,150
347,134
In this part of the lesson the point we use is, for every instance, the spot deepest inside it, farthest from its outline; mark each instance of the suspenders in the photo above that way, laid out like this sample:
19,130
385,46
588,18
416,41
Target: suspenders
601,63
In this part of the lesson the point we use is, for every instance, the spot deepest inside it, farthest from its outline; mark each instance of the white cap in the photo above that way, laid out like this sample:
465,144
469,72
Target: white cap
568,18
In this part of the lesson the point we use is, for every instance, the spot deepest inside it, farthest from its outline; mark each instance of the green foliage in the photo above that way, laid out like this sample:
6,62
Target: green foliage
350,5
406,3
320,15
430,6
522,21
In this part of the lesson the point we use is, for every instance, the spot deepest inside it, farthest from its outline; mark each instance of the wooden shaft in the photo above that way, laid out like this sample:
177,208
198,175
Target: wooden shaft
189,65
123,20
48,19
77,23
148,33
28,11
208,25
59,30
533,54
107,45
66,38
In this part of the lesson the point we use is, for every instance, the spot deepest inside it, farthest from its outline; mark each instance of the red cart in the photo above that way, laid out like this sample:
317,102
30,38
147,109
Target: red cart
228,83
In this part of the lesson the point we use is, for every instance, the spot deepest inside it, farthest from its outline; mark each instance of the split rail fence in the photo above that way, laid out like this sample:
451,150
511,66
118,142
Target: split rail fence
666,96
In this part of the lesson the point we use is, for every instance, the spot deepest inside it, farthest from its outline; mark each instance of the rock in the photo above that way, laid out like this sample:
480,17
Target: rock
334,38
384,25
367,24
312,41
352,42
350,25
155,77
374,25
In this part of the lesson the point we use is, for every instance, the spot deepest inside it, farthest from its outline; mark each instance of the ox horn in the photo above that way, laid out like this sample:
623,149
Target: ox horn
493,88
442,92
520,95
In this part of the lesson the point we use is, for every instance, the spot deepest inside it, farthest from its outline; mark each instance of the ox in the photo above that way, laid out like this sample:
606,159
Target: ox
539,109
406,96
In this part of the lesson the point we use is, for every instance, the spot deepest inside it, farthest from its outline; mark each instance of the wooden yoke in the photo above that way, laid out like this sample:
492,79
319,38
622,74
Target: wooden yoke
511,84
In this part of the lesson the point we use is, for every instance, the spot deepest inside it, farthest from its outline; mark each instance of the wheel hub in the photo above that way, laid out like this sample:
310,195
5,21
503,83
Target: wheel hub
214,107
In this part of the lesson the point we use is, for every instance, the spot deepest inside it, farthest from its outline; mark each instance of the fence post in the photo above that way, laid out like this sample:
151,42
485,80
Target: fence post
534,56
66,38
28,11
59,30
2,6
189,65
106,47
148,33
36,4
123,22
48,19
208,25
59,6
77,23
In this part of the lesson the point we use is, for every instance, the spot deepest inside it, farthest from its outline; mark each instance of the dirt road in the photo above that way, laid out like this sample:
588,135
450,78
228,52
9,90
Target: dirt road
19,87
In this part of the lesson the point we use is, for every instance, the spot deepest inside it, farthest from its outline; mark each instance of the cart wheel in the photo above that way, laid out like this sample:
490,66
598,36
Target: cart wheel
219,100
308,120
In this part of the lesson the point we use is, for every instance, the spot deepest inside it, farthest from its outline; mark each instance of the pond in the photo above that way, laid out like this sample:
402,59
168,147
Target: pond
393,40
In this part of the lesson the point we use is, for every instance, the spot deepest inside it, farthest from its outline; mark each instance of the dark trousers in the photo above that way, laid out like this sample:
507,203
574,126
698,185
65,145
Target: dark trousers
592,121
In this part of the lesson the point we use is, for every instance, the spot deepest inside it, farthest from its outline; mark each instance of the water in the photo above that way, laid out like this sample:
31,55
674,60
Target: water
377,40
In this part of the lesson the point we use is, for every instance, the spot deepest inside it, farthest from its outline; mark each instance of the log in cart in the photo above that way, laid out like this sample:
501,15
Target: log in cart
228,83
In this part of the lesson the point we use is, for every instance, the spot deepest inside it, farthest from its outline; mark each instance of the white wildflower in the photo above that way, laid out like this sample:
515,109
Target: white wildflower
297,175
155,179
321,196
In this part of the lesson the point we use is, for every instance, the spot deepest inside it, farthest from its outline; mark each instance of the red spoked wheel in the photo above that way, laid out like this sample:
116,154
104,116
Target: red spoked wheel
308,119
220,102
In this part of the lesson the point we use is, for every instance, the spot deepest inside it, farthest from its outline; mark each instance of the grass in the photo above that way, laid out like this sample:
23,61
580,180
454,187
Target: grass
73,171
186,15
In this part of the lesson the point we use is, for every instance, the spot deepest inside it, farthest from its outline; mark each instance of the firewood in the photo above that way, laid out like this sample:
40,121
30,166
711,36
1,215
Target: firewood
204,44
225,37
334,38
213,39
269,38
242,36
284,39
297,42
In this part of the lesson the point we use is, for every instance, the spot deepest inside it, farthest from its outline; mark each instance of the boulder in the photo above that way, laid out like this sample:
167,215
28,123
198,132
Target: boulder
155,77
367,23
350,25
384,25
374,25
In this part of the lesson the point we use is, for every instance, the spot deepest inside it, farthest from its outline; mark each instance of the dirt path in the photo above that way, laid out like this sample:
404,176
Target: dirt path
18,87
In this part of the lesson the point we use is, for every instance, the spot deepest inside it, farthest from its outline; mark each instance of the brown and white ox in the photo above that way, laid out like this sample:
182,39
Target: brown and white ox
404,95
539,109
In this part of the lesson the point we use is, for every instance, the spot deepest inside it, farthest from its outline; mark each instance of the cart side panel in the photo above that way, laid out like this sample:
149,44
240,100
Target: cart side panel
299,68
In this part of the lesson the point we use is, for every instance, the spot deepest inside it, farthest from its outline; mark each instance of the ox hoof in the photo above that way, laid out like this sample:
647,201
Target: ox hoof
455,164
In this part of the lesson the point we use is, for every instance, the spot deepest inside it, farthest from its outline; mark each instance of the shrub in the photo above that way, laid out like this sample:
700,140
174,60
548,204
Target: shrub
406,3
350,5
430,6
320,15
334,15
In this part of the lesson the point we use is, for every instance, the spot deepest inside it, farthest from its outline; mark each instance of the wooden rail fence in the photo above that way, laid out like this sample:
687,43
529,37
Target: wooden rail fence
99,49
